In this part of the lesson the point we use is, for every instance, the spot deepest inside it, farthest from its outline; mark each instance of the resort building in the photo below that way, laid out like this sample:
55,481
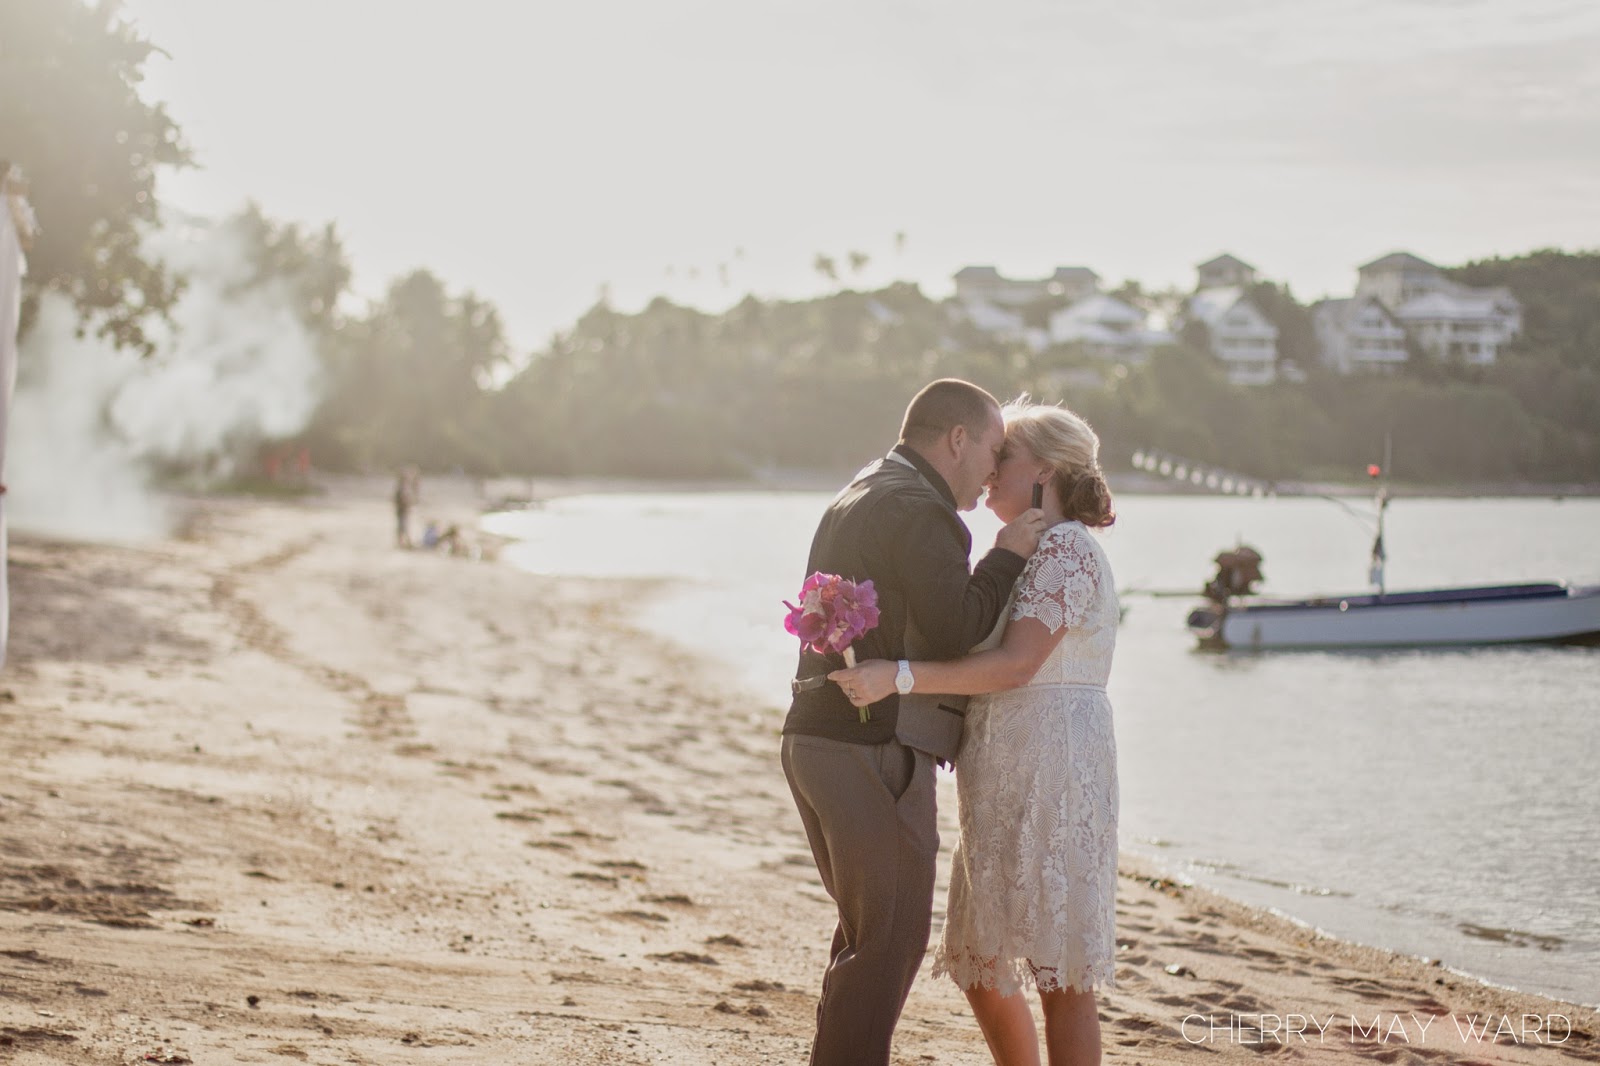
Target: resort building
1225,272
1014,309
1243,338
990,318
1445,319
985,284
1359,333
1107,328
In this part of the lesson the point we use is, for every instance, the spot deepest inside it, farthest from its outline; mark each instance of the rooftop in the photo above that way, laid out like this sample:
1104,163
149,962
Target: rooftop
1398,261
1225,260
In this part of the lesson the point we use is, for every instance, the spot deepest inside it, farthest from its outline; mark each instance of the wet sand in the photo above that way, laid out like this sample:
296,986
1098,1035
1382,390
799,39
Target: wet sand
274,790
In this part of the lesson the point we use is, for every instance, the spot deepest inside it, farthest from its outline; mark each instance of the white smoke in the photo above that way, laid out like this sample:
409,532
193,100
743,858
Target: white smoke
89,423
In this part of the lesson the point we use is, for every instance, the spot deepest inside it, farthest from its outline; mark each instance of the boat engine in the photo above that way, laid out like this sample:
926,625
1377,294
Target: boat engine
1238,572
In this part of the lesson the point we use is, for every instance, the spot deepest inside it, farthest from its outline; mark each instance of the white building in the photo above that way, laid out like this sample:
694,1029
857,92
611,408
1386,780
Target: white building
991,318
985,284
1243,338
1107,328
1450,321
1359,333
1073,283
1224,272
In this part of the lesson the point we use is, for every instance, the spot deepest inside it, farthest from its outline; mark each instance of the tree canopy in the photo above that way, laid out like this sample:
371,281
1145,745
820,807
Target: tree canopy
72,118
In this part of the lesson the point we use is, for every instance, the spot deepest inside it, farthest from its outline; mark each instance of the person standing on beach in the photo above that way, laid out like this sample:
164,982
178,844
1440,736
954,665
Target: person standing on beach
407,491
865,789
1034,878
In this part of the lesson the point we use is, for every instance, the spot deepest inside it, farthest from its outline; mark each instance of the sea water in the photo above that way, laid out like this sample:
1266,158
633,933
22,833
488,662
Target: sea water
1440,803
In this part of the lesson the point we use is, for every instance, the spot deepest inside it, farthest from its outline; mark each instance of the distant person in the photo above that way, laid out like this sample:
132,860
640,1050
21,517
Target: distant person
407,492
1034,876
430,536
865,790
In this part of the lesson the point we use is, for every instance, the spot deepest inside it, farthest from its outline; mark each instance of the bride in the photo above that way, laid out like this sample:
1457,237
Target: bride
1033,883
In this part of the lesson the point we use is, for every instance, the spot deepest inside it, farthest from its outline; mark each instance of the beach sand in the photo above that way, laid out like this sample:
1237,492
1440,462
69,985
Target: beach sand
275,790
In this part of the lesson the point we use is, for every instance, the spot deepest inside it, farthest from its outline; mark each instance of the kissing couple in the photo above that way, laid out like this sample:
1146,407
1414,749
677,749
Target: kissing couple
1029,632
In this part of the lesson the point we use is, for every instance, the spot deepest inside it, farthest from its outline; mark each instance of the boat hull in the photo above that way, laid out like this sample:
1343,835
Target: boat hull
1448,617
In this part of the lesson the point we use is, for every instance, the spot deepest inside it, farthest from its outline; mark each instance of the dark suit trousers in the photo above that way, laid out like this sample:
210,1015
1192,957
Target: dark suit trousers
869,813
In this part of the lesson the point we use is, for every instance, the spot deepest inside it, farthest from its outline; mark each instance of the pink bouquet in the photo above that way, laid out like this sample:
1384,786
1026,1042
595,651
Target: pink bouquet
833,613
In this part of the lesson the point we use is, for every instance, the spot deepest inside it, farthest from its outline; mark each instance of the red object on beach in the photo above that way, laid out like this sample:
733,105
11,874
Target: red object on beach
1374,470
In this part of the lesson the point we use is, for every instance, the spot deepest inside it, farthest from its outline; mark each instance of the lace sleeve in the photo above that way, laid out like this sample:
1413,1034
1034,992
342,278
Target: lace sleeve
1061,581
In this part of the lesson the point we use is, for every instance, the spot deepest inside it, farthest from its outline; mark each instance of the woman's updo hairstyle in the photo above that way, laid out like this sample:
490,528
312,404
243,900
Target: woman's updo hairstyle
1065,441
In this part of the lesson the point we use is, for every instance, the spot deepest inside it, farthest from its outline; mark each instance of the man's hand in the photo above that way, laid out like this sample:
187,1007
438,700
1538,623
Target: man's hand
1022,533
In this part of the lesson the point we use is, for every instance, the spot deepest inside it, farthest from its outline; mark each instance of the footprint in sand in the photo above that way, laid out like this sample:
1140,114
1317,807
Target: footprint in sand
1363,988
758,985
641,916
624,864
687,957
584,834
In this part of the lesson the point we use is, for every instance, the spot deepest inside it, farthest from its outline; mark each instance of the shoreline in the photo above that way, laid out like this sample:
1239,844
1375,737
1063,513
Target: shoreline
279,791
1366,920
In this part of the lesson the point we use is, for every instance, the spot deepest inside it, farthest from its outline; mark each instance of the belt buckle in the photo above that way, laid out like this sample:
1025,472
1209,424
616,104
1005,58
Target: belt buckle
807,684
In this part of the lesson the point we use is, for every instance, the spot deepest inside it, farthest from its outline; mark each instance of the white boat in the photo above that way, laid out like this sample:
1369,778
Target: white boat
1484,614
1493,614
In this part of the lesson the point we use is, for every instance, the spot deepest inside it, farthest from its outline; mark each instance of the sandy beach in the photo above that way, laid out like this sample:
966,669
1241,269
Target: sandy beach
275,790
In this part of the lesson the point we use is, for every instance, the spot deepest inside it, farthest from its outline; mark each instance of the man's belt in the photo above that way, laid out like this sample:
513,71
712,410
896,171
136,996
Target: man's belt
807,684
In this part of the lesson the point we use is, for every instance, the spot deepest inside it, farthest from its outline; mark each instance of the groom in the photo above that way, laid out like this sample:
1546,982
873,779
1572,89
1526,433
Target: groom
866,790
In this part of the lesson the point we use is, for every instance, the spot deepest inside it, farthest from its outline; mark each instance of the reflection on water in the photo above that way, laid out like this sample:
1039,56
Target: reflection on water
1416,799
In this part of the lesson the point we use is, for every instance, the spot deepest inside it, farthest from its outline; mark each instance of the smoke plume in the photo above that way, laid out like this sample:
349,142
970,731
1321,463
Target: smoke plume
90,425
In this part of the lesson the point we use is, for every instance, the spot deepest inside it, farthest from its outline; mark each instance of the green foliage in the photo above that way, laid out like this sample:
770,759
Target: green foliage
1560,296
674,391
408,382
821,384
72,119
312,264
1297,337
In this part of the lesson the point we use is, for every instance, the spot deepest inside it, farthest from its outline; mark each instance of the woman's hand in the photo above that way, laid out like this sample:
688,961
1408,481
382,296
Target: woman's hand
867,682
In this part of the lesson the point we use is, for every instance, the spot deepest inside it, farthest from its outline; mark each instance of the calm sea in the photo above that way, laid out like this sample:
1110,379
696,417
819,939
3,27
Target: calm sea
1440,803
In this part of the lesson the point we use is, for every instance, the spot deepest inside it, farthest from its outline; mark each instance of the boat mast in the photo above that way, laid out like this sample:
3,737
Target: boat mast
1381,476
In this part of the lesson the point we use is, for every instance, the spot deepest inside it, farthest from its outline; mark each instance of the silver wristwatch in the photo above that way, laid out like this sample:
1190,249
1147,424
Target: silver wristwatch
903,679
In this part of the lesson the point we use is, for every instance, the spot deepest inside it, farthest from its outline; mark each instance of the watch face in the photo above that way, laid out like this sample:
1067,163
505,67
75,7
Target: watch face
903,681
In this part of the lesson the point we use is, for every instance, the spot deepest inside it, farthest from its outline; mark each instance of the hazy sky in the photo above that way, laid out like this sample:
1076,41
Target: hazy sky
536,151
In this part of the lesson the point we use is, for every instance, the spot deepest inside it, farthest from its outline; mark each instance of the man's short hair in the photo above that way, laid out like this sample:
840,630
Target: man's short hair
944,405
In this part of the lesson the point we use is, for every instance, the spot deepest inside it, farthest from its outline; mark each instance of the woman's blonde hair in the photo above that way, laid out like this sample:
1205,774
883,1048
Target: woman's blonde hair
1064,440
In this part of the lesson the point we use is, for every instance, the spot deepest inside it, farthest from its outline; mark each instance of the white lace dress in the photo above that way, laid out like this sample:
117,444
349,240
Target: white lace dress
1033,884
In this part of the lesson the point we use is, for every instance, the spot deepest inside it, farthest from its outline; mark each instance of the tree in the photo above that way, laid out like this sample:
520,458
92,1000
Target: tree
73,120
312,263
824,265
410,381
1297,335
1560,297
